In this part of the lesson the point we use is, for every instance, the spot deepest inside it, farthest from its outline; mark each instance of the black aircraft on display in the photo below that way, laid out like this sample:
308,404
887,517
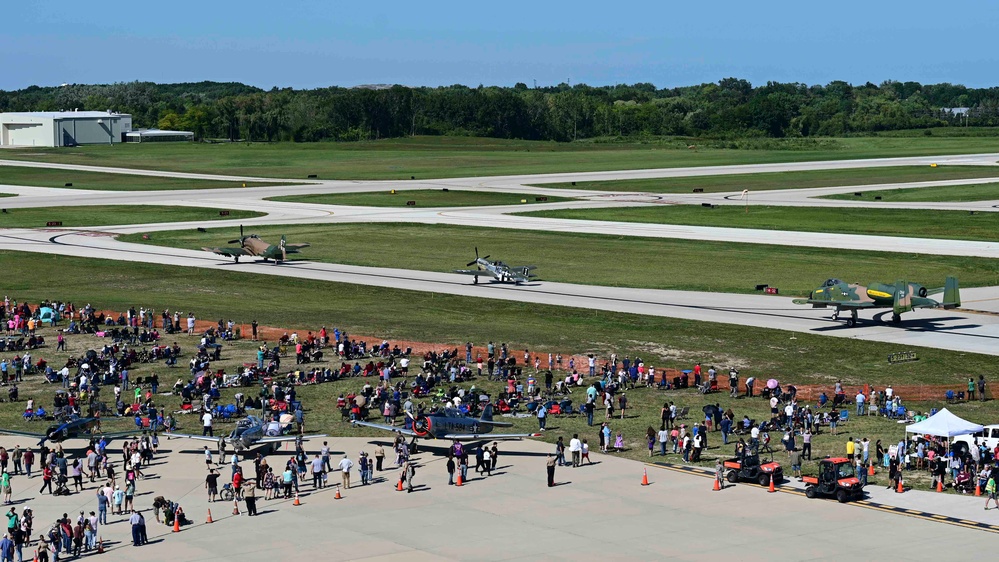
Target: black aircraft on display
73,427
498,270
451,424
250,432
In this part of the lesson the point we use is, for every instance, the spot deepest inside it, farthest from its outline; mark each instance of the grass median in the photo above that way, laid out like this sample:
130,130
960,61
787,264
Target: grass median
948,193
100,181
955,225
107,215
420,198
603,260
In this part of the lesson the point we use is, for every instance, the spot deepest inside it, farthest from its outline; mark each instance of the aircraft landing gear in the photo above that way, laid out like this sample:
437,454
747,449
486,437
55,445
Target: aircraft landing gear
412,447
896,318
851,321
475,280
236,258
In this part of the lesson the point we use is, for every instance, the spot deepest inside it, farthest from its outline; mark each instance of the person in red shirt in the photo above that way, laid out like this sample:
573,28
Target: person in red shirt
46,479
237,482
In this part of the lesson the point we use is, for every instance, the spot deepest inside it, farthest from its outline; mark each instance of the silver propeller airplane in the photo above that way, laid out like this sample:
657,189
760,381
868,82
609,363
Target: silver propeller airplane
498,270
250,432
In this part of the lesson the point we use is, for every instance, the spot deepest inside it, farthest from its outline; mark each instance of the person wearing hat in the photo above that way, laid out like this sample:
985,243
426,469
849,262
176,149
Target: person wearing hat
345,466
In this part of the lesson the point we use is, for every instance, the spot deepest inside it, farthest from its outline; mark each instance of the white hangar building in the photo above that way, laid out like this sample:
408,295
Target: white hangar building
63,128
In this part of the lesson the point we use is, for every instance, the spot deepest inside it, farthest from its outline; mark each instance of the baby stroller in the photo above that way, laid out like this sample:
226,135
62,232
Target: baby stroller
61,488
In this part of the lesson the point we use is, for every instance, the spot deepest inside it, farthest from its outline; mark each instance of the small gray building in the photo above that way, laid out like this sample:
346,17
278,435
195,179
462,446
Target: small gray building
63,128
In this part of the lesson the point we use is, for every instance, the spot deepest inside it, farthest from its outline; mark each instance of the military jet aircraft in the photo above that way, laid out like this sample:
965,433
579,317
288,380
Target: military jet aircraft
901,296
74,427
252,245
452,424
249,432
498,270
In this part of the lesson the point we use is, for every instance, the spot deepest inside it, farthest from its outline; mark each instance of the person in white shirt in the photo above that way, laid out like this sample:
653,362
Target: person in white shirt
345,466
575,448
206,421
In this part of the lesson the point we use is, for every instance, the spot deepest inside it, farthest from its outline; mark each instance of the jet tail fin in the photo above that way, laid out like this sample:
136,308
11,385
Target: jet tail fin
903,300
951,295
487,413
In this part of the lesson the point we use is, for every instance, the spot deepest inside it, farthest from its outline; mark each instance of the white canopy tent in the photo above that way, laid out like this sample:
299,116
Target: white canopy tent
944,424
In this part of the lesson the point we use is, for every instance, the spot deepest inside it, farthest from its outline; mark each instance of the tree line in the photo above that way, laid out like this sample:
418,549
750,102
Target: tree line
730,108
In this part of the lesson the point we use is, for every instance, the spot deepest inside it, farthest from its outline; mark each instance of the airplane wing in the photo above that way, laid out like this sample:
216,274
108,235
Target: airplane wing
396,429
22,433
285,438
230,252
473,272
847,305
294,247
488,436
188,436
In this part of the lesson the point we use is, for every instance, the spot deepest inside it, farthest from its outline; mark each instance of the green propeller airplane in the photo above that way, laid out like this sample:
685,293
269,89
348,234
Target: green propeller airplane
901,296
252,245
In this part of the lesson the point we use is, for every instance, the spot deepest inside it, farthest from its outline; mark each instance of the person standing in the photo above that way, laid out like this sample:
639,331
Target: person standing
971,391
379,458
981,388
720,474
29,461
250,497
542,416
494,456
135,520
317,472
206,422
990,493
364,462
551,470
345,466
806,444
560,451
663,437
409,473
575,448
450,469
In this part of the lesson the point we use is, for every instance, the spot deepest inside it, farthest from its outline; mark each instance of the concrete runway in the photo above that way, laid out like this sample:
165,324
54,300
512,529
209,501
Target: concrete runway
954,330
598,512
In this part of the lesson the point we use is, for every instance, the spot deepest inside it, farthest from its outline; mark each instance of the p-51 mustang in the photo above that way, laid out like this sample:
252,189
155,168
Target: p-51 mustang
498,270
250,432
72,428
451,424
901,296
252,245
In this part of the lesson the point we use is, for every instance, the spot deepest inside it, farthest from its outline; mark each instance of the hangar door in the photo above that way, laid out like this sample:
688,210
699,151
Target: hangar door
24,135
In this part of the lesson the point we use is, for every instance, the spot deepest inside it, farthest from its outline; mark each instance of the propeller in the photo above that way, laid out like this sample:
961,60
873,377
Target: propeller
240,241
476,260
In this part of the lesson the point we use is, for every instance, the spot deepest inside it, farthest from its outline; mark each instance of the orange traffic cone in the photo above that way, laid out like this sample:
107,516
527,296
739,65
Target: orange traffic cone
235,507
940,485
297,501
717,486
645,477
978,490
870,470
176,523
209,520
399,487
338,496
900,488
772,488
460,482
100,545
35,559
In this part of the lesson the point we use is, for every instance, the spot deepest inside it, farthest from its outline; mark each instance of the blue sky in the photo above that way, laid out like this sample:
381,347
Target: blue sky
309,43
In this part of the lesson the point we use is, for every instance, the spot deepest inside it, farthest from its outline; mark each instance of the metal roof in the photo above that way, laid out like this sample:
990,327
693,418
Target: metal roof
65,114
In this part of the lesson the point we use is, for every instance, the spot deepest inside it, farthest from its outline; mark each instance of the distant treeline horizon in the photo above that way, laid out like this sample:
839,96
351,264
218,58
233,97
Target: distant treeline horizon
730,108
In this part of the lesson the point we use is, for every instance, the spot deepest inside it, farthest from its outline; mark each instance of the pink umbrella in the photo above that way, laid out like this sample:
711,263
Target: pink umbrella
772,384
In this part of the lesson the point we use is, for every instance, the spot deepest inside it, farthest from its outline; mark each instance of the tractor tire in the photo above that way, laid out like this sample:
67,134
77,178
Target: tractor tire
810,492
764,479
842,496
732,477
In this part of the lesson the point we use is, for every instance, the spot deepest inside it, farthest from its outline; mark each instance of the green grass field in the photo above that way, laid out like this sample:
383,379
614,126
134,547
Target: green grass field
955,193
787,180
449,321
434,157
604,260
37,217
50,177
957,225
421,198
